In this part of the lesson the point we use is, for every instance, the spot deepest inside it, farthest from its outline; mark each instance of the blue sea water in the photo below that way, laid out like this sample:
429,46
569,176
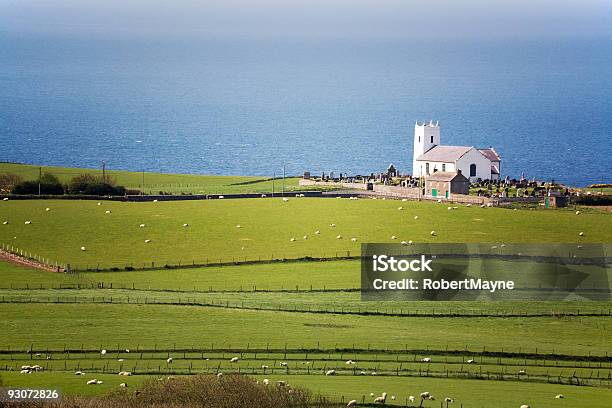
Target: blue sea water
248,106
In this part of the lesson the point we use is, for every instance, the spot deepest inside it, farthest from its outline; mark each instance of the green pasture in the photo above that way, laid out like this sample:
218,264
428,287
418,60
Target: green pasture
269,228
96,325
156,182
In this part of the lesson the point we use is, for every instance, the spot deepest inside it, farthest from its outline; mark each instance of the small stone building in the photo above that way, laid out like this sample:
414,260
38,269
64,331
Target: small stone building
443,184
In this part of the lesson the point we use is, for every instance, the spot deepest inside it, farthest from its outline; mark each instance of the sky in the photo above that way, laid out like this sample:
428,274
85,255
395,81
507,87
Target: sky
311,18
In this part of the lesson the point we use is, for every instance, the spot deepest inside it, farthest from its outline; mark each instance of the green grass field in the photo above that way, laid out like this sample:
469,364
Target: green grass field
156,182
267,227
196,314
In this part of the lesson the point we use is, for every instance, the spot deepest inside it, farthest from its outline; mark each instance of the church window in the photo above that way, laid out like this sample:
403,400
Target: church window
431,138
472,170
443,166
426,168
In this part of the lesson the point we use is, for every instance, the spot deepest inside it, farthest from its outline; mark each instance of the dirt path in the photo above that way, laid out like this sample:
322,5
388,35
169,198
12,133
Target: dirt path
31,263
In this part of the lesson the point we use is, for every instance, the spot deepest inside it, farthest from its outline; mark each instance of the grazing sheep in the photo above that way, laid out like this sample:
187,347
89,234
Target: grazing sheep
317,232
37,368
426,360
400,208
489,204
142,225
265,367
393,237
449,208
219,375
363,373
27,222
393,397
382,399
354,239
185,225
433,233
416,217
292,240
581,234
94,382
482,206
238,226
525,406
351,403
425,395
285,199
221,197
47,209
107,212
234,360
349,362
263,196
281,383
283,364
470,361
123,385
409,242
522,372
411,398
169,360
448,399
5,199
79,373
330,372
559,396
83,248
374,373
339,237
5,223
454,208
332,225
266,381
25,372
468,205
125,373
305,237
404,243
103,352
372,394
577,212
127,350
147,241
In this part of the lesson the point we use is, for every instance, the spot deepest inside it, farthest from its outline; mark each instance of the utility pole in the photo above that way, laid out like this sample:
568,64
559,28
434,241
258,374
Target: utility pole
283,190
39,178
142,189
273,178
103,171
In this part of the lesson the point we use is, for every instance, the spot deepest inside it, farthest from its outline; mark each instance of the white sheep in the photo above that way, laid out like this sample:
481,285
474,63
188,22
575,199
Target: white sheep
382,399
123,385
416,217
221,197
470,361
27,222
425,395
404,200
219,375
450,208
411,398
99,203
47,209
185,225
169,360
468,205
433,233
5,223
439,200
393,237
482,206
426,360
393,397
317,232
292,240
127,350
448,399
363,373
285,199
263,196
330,372
5,199
522,372
559,396
266,381
350,362
577,212
332,225
265,367
238,226
372,394
79,373
147,241
339,237
234,360
525,406
108,212
283,364
351,403
581,234
25,372
404,243
409,242
142,225
354,239
103,352
305,237
83,248
400,208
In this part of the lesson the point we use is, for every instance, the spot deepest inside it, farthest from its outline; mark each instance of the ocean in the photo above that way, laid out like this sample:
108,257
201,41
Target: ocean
250,106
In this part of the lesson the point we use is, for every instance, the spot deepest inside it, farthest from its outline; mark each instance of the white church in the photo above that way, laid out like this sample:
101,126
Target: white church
430,156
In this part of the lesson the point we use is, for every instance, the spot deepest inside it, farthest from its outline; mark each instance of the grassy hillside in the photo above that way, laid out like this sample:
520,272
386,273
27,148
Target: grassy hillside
267,227
156,182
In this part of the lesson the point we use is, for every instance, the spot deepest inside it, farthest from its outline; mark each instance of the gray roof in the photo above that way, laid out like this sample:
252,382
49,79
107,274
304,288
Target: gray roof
490,154
444,153
445,176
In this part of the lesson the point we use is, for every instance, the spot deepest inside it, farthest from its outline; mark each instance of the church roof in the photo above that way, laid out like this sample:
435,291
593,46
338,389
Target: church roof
490,154
444,153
